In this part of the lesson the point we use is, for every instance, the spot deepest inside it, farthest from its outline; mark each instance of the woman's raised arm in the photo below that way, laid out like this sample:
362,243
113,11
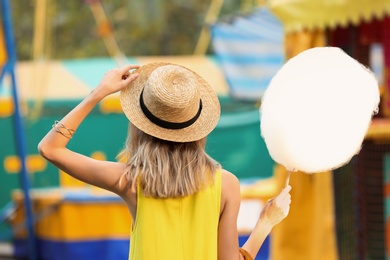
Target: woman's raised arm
53,146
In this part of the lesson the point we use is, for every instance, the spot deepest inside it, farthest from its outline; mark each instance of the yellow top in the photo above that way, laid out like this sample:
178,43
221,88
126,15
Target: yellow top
177,228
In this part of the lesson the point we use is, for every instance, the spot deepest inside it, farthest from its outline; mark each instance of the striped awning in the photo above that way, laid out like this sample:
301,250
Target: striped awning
249,49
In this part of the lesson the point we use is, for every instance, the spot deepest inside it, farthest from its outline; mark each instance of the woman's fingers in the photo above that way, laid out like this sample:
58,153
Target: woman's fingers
120,77
129,78
283,200
285,193
125,70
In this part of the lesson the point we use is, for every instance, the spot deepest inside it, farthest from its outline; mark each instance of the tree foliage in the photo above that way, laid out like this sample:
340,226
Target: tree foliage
141,27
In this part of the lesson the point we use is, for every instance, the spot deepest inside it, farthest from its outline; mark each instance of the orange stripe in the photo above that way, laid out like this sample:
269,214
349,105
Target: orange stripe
3,50
387,189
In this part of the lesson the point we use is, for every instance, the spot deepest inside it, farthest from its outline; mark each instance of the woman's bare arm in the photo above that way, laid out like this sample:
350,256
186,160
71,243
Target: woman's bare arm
53,146
273,212
227,229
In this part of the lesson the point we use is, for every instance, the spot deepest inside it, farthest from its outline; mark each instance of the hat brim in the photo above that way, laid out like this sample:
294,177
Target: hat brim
208,119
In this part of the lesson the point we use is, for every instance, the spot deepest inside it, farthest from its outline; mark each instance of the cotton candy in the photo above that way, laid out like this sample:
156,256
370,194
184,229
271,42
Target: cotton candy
317,109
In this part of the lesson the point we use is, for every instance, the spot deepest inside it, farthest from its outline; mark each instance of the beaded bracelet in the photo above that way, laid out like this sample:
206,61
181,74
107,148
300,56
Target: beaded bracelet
62,129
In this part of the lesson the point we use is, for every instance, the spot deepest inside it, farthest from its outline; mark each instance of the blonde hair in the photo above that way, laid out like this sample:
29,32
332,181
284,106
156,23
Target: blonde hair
166,169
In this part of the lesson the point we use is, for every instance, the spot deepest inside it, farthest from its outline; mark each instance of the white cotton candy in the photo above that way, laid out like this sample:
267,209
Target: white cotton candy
317,109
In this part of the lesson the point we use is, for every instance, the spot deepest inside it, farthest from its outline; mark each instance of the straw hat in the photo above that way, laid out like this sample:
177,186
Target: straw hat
171,102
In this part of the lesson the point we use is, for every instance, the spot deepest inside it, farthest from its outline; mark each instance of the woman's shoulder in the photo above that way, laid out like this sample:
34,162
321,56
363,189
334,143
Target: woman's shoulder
229,180
230,193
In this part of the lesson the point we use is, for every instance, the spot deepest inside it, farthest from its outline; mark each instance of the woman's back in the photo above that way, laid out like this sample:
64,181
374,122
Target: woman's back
177,228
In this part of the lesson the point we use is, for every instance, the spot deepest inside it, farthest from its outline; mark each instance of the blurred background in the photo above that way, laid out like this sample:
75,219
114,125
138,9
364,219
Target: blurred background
140,27
53,53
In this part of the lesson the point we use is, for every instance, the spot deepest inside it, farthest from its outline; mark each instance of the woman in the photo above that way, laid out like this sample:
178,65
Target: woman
183,204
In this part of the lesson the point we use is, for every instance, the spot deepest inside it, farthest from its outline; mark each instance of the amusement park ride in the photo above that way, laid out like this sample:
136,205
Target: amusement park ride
44,209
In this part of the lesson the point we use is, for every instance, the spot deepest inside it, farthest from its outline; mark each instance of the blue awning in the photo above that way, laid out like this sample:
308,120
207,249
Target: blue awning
249,49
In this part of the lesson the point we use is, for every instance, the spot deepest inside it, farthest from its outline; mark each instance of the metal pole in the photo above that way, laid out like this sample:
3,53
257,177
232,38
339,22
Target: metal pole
19,129
211,17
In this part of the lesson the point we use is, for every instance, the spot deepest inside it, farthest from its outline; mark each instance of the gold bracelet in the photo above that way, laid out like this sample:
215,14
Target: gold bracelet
245,254
62,129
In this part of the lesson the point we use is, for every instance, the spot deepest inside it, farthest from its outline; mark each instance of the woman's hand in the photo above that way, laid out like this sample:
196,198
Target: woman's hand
115,80
276,209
